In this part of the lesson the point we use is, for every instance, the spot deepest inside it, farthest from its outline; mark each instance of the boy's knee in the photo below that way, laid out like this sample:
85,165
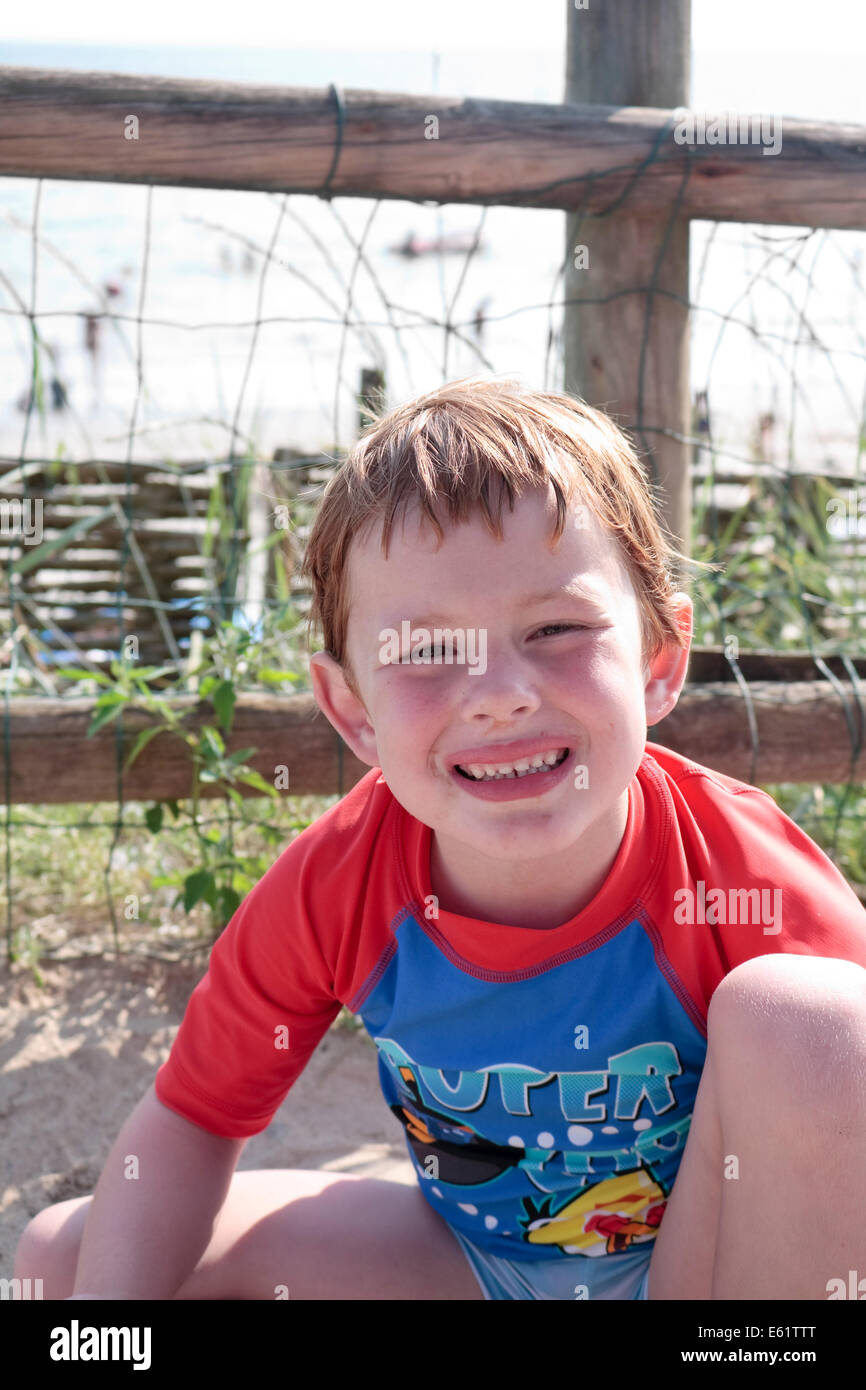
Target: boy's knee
49,1245
784,986
793,1017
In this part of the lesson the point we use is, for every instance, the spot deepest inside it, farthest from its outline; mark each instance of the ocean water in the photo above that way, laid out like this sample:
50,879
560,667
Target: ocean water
213,344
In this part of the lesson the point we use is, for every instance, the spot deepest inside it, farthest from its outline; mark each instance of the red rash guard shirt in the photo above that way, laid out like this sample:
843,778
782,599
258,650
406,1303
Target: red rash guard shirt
545,1079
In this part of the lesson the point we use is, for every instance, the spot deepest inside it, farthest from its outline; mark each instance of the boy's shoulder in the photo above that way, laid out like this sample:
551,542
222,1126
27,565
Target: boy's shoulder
682,770
718,834
342,858
349,827
727,813
723,804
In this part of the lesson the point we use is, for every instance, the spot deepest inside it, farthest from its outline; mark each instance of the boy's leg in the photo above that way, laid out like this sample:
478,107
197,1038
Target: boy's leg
768,1200
322,1235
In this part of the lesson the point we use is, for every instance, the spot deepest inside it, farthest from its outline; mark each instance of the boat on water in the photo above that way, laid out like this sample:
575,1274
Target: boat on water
449,244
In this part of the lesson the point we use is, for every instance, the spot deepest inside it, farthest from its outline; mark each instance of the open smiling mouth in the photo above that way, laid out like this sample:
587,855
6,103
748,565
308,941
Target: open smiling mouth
524,767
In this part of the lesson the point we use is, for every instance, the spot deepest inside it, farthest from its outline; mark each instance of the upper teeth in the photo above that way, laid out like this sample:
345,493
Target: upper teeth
520,768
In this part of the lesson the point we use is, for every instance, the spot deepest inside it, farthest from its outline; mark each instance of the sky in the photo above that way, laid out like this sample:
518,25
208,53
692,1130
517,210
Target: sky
833,26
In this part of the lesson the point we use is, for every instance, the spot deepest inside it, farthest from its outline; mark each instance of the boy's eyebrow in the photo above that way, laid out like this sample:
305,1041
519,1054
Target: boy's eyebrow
573,590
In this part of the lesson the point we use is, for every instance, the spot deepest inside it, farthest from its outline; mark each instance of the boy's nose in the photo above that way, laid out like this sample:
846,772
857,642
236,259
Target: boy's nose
503,690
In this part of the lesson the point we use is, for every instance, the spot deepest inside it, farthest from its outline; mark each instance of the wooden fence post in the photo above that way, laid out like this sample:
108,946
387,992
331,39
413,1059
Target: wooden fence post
371,396
628,352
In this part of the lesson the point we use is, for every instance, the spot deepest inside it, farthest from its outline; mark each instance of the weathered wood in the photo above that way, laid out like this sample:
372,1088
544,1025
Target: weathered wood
802,731
626,321
160,561
53,761
258,558
801,727
708,664
73,558
49,474
371,396
524,154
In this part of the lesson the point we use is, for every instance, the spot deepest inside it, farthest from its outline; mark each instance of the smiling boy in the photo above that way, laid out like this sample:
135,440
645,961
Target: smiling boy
600,1099
564,673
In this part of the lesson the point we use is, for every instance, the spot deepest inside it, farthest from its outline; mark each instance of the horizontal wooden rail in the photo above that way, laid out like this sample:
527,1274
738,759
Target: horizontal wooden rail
802,731
136,129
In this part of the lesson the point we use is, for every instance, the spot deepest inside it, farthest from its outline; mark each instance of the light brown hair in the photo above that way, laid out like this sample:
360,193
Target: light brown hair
467,446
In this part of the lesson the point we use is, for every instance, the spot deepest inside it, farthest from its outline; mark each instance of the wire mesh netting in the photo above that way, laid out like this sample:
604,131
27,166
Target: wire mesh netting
186,368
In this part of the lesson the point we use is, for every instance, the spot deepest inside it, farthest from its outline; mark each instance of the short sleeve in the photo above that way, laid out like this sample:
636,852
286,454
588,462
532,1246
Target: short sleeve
799,900
256,1017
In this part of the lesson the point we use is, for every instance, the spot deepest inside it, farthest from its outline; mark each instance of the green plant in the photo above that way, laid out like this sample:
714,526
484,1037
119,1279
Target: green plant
26,949
222,875
786,584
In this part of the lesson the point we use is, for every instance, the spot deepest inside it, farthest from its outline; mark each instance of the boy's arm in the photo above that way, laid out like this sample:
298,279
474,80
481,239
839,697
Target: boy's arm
146,1233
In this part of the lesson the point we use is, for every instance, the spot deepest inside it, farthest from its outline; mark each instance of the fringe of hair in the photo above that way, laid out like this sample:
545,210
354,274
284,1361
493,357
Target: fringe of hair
468,446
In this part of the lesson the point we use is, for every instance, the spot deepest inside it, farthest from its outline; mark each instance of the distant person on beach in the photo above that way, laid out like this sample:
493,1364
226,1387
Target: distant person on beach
765,436
59,391
25,401
93,348
94,337
56,385
479,322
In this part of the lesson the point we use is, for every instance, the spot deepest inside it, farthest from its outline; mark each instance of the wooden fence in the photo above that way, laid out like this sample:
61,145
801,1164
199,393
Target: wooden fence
610,155
146,535
762,730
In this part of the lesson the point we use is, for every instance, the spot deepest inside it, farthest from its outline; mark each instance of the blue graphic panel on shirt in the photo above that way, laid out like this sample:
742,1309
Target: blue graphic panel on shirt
571,1151
607,1215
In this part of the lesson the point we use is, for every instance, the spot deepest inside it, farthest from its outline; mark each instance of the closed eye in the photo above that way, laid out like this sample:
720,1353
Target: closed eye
564,627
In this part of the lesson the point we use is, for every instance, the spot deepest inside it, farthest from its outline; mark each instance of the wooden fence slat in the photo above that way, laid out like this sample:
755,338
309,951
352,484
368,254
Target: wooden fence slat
512,153
801,726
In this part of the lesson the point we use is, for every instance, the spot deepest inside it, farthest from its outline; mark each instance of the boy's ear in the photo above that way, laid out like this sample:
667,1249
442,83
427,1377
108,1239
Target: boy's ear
342,707
665,676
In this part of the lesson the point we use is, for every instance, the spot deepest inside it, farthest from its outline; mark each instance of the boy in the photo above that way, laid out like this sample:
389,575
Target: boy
620,970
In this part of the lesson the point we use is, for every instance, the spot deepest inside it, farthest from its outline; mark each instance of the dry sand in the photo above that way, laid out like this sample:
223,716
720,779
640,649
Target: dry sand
77,1055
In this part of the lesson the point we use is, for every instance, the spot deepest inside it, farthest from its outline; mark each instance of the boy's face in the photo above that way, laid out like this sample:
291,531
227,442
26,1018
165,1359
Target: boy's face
565,672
